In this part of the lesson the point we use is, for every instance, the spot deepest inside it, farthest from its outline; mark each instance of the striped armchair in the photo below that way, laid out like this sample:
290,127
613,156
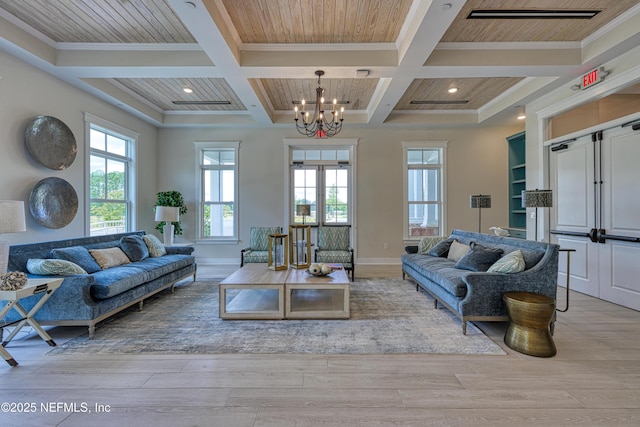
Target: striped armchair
257,251
334,246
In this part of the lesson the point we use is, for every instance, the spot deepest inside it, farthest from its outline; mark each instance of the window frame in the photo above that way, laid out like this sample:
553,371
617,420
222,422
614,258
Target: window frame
320,166
129,159
441,167
200,148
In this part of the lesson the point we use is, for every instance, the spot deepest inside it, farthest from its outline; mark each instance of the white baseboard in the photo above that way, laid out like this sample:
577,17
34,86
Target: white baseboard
378,261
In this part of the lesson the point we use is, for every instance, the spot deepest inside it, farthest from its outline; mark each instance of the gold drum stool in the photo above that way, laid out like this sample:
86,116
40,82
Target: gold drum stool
530,315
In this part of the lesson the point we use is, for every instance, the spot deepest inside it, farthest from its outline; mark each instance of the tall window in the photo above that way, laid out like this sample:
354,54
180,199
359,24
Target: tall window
321,178
111,156
424,188
218,182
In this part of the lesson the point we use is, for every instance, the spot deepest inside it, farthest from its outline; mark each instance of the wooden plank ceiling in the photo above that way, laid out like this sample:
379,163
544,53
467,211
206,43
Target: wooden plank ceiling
260,55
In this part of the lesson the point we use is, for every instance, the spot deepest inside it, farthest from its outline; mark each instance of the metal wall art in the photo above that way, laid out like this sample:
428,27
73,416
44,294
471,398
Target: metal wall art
53,202
51,142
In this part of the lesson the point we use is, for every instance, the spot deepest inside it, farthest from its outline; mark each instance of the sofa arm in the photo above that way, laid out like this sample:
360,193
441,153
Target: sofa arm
71,301
179,250
411,249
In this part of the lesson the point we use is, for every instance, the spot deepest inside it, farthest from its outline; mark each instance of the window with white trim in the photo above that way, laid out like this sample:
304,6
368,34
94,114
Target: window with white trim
111,179
218,191
321,178
424,186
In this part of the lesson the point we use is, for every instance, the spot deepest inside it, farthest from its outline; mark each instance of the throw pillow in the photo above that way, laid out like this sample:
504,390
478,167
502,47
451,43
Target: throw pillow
134,247
78,255
441,249
457,250
155,246
479,258
53,267
513,262
428,242
109,257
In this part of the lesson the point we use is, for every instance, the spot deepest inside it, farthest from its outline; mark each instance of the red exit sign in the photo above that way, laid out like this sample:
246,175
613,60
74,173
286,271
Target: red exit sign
593,77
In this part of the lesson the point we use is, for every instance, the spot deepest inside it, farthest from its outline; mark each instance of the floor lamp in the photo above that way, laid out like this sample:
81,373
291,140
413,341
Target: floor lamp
537,199
479,201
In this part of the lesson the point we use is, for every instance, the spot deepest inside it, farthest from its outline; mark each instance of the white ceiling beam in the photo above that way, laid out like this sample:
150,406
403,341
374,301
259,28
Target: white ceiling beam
426,23
222,51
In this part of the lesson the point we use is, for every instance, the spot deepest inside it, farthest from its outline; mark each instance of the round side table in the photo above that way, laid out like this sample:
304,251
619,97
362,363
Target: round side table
530,315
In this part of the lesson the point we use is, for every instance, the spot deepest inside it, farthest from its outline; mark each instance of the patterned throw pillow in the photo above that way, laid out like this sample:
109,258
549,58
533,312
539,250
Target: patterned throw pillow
109,257
155,246
513,262
53,267
457,251
428,242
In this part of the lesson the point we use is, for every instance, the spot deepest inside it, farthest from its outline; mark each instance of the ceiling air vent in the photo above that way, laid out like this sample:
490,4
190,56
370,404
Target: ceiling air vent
201,102
461,102
532,14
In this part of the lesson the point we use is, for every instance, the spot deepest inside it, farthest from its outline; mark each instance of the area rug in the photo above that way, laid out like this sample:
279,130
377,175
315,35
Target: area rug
388,316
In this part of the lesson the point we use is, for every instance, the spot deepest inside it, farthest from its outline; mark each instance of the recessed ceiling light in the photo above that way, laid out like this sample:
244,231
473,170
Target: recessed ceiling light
452,90
187,90
521,117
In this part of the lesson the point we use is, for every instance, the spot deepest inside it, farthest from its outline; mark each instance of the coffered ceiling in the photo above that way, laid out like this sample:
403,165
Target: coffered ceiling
247,61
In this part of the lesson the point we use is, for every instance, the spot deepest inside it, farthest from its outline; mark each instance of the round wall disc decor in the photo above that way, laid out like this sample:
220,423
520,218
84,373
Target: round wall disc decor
51,142
53,202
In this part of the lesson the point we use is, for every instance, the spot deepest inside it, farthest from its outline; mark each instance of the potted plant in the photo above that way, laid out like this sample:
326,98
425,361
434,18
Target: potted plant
174,199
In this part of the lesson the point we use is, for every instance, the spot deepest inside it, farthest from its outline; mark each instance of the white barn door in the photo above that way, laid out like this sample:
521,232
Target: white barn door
598,214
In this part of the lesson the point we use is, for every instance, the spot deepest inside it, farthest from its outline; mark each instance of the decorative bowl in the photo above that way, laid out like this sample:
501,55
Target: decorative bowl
318,274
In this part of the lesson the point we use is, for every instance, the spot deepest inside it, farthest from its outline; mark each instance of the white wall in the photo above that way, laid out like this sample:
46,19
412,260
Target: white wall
26,92
477,163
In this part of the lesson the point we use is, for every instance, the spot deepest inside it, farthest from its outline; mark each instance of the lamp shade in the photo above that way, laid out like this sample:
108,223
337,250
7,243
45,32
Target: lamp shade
480,201
537,198
303,210
12,219
167,213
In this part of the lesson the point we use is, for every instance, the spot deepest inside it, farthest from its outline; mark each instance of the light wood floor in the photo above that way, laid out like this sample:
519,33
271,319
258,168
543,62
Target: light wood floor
594,380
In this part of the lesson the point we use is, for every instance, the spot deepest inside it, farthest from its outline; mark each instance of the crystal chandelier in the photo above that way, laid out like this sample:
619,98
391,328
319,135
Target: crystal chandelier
319,125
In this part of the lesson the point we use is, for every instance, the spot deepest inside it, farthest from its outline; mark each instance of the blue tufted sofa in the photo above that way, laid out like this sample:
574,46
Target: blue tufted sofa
86,299
477,296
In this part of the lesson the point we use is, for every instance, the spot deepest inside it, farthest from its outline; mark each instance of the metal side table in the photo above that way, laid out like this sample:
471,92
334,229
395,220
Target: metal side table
46,287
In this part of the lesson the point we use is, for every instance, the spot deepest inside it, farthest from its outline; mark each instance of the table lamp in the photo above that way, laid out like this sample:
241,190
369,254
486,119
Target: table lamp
479,201
304,211
168,214
12,220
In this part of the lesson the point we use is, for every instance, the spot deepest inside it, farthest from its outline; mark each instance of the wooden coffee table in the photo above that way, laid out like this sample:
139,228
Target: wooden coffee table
311,297
255,292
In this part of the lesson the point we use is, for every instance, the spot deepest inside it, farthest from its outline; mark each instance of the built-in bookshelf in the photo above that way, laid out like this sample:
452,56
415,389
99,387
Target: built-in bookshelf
517,183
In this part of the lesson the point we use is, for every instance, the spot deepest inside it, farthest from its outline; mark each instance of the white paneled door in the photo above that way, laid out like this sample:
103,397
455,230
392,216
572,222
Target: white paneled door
595,180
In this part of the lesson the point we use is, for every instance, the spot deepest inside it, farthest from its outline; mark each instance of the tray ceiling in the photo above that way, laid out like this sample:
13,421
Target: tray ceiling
253,58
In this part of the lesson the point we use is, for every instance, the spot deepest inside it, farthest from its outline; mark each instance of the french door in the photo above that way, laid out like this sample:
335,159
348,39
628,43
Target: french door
595,179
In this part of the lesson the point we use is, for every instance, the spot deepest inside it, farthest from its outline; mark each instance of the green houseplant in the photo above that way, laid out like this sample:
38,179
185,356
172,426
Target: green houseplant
174,199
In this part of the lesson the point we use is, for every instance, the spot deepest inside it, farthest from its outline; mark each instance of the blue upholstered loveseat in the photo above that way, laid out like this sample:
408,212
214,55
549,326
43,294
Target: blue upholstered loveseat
477,295
86,299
